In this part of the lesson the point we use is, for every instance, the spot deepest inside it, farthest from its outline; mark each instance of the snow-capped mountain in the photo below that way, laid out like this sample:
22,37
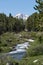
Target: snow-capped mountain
22,16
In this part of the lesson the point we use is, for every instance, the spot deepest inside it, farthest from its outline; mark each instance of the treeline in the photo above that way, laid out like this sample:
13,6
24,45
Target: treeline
33,23
11,24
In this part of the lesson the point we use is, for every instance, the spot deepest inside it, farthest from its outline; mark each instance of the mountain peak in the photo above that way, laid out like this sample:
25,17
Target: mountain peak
22,16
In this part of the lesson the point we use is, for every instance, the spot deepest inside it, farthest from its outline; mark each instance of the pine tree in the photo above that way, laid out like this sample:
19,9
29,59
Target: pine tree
39,6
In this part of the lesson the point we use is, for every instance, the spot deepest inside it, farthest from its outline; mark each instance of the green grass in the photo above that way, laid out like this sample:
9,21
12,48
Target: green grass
29,60
10,39
35,51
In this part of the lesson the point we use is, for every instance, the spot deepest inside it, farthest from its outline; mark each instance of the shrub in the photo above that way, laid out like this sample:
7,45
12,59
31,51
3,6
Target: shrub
36,50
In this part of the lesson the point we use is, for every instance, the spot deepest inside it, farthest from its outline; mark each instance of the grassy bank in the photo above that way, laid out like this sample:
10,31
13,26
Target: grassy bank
34,54
11,39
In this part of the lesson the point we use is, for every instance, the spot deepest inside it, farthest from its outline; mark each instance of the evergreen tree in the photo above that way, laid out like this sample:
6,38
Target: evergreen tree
39,7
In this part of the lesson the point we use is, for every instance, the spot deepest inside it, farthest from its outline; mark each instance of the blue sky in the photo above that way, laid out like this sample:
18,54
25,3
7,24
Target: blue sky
17,6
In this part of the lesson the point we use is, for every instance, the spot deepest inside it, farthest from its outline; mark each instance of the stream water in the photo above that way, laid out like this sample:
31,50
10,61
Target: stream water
20,51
